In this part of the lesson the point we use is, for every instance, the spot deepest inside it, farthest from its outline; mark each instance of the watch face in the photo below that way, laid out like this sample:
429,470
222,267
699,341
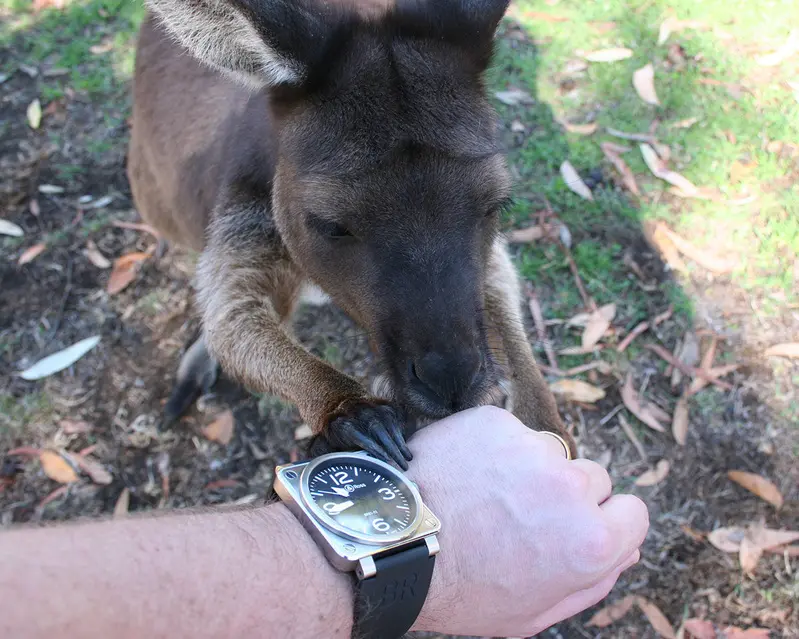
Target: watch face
361,498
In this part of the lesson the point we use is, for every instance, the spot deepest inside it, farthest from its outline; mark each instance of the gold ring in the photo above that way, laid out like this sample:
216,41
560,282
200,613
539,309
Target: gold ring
562,441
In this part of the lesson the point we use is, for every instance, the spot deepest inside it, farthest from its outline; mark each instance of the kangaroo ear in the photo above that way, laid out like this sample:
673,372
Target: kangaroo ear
469,24
261,42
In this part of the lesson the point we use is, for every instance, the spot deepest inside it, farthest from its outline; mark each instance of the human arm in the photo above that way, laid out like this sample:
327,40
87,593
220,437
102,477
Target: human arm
523,545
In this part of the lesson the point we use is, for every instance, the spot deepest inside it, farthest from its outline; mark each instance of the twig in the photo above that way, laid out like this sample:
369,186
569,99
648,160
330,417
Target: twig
687,370
659,319
583,368
610,415
134,226
631,336
628,430
62,306
540,327
587,300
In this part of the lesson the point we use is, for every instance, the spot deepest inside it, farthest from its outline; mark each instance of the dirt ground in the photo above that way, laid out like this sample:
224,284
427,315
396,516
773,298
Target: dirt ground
118,388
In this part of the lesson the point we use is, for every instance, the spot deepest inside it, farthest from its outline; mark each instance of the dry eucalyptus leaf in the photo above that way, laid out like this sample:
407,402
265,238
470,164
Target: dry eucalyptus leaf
699,629
221,429
574,181
598,322
655,475
656,618
60,360
749,555
732,632
673,25
658,169
643,410
608,55
9,228
94,469
788,49
578,129
684,124
679,424
704,259
34,114
768,538
783,350
577,390
124,272
94,255
122,505
667,249
644,83
727,539
514,97
303,431
57,468
31,253
611,152
758,485
613,612
526,235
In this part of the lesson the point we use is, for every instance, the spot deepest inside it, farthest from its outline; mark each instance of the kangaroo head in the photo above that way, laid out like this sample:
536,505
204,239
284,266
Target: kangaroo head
389,179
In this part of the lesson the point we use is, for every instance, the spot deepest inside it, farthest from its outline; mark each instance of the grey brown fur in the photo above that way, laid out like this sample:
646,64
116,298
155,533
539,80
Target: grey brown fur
314,144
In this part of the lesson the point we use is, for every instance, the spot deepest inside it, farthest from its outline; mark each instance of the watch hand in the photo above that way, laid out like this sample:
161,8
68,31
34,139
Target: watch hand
340,508
341,491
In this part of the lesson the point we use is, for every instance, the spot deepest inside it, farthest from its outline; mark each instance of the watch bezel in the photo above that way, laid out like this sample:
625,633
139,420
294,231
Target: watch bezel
328,522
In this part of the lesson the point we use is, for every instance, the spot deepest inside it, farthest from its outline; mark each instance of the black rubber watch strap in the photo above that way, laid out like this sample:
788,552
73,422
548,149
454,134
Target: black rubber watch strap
387,604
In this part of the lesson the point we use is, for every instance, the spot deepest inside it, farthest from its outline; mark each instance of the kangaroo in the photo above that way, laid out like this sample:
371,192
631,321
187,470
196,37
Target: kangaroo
300,144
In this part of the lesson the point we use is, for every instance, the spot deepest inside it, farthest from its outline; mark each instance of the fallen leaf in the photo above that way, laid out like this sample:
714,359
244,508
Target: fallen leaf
544,17
758,485
94,255
637,137
708,261
656,618
526,235
679,424
628,339
645,411
644,83
688,354
122,505
684,124
517,126
50,189
714,376
124,272
655,475
608,55
768,538
597,324
783,350
749,555
221,429
579,129
34,207
612,613
574,181
73,427
658,169
57,468
9,228
34,114
673,25
94,469
60,360
303,431
577,390
699,629
602,27
610,151
751,633
727,539
135,226
789,48
514,97
31,253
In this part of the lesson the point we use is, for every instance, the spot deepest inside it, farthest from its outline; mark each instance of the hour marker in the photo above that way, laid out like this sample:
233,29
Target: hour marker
377,479
356,471
401,523
403,507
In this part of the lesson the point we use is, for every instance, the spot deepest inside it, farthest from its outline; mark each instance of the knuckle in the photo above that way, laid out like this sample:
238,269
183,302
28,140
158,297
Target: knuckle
575,482
598,549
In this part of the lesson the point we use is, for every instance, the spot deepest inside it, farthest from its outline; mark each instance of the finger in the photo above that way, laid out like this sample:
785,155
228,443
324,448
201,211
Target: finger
395,430
369,445
599,485
627,518
390,446
553,444
582,599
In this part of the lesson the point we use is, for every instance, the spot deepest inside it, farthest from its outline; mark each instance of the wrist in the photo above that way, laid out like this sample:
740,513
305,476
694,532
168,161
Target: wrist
332,589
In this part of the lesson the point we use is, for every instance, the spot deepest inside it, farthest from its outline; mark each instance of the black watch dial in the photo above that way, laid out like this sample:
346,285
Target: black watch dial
362,498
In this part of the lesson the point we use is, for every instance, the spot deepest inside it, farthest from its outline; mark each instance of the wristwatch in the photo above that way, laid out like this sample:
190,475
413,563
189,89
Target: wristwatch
369,518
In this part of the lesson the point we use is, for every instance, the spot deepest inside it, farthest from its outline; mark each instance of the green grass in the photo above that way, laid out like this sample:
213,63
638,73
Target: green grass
763,236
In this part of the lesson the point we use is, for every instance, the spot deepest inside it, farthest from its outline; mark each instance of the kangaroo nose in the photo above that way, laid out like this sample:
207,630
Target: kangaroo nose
447,379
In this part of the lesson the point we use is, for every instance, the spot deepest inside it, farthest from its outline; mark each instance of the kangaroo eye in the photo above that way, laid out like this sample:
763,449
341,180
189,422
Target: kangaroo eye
328,228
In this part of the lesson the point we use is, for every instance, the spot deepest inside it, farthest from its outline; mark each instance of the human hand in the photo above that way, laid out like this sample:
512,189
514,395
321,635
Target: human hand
528,538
